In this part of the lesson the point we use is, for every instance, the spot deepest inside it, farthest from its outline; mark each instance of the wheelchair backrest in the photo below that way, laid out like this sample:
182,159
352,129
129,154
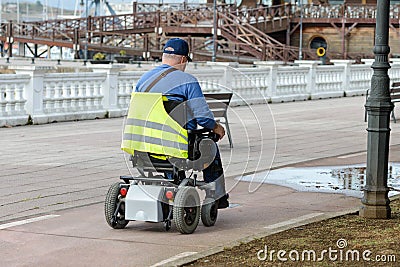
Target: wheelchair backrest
149,127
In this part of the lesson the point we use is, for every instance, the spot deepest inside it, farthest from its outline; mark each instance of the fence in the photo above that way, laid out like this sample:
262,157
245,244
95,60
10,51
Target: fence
33,95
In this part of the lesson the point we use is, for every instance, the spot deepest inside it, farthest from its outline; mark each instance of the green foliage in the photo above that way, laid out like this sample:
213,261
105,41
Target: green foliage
99,56
122,53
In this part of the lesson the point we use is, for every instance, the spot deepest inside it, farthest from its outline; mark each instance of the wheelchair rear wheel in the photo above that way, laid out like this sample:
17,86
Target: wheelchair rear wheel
209,212
114,208
186,210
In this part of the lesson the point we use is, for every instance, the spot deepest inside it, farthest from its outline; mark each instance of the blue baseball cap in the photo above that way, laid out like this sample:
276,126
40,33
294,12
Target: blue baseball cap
177,46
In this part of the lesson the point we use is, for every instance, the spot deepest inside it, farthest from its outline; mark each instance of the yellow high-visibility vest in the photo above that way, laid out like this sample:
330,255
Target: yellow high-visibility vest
149,128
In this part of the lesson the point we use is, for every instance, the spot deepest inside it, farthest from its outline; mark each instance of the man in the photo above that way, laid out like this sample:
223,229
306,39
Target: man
172,80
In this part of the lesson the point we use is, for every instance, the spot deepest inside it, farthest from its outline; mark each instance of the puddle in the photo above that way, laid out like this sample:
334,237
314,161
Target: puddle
348,180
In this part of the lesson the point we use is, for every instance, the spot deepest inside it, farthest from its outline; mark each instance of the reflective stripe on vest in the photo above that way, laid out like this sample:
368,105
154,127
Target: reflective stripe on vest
154,125
155,141
149,128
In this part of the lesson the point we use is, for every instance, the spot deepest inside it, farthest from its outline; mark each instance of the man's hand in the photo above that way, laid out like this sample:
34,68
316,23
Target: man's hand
218,129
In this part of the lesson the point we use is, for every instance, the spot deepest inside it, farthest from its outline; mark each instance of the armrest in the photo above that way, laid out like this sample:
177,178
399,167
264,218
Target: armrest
199,131
205,132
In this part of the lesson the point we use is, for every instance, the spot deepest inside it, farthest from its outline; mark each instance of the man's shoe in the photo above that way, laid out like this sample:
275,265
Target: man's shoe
223,202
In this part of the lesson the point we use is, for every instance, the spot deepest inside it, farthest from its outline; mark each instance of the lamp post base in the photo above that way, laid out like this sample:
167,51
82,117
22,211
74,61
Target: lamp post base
375,205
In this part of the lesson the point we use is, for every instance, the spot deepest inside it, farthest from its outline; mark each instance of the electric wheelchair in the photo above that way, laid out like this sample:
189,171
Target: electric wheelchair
164,153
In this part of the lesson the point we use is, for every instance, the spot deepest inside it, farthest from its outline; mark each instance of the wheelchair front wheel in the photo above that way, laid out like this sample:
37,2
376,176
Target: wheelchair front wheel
209,212
186,210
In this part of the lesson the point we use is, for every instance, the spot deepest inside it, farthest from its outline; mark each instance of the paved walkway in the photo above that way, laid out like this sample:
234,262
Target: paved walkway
48,169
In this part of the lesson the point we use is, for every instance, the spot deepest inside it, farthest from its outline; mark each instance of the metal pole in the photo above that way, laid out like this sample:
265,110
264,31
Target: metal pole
344,30
375,202
214,54
17,11
301,31
87,31
1,28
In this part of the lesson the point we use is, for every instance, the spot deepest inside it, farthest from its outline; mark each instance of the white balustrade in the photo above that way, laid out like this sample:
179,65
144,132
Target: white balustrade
328,82
360,79
394,72
127,81
72,94
250,85
291,84
47,97
12,99
211,79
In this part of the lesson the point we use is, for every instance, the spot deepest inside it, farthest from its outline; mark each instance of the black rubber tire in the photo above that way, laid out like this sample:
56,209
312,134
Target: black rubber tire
209,212
110,205
186,210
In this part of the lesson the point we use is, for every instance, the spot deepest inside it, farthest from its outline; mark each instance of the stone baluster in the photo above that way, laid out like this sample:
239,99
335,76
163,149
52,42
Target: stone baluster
258,84
261,80
346,76
288,84
273,82
293,85
10,97
129,88
74,96
246,86
50,98
58,98
66,92
90,95
82,95
45,97
19,97
301,83
125,90
3,101
98,96
121,92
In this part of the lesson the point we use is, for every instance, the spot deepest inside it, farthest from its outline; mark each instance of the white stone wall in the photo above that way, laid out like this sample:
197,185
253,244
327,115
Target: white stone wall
33,95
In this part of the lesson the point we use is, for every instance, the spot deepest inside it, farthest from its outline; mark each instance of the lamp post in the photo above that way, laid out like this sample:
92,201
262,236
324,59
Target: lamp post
344,14
375,202
301,31
214,53
87,30
17,11
1,11
1,28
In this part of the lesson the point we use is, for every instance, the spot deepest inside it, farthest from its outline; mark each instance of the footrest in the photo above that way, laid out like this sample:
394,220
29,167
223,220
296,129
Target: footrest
126,179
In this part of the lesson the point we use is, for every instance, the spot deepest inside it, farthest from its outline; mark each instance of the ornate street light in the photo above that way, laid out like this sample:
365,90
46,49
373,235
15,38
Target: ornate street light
375,203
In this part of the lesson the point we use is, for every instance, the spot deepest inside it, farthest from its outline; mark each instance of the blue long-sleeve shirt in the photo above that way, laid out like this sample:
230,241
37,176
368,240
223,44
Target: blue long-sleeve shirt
184,87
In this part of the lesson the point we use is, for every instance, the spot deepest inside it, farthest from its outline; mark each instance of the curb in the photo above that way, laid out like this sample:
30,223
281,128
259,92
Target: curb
214,250
264,233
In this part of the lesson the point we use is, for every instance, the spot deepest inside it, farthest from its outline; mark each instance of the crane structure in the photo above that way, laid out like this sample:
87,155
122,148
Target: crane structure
93,8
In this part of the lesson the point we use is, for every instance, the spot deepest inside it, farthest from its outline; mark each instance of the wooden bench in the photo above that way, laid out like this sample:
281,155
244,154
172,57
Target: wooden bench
394,96
219,103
